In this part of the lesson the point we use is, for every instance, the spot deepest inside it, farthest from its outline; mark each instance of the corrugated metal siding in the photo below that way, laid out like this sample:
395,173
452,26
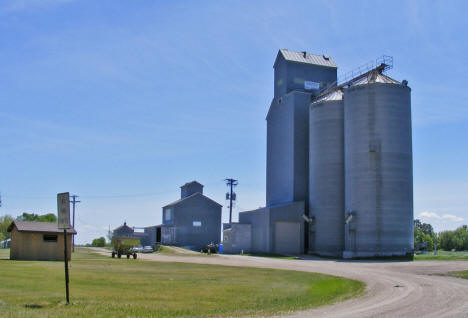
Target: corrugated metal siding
287,238
309,59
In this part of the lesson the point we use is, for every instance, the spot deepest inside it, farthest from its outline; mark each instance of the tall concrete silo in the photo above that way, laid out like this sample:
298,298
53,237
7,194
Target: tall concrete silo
378,168
326,175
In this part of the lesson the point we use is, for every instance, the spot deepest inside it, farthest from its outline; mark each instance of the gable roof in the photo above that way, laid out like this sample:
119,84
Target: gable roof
42,227
192,182
190,197
307,58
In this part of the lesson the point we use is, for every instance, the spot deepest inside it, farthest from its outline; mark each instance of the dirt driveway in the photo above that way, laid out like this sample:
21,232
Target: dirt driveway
394,289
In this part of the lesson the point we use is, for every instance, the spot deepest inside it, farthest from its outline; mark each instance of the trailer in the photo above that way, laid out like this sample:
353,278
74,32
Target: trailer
124,246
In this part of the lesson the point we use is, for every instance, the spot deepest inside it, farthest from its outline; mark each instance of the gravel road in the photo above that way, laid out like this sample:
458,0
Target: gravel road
394,289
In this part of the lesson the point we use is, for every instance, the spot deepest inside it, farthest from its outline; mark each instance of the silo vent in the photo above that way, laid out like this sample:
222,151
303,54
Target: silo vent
326,57
405,83
304,53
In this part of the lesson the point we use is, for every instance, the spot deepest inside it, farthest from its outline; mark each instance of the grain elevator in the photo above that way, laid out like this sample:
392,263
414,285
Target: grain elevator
339,162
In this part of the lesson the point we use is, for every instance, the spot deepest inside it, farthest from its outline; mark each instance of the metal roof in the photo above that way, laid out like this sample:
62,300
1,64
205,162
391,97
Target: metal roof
375,77
308,58
124,226
189,197
333,95
191,182
43,227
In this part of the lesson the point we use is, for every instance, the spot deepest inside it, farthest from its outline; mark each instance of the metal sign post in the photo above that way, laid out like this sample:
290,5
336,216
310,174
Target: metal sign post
63,213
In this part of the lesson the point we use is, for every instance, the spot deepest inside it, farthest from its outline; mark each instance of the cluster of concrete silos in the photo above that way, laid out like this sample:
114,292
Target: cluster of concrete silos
360,169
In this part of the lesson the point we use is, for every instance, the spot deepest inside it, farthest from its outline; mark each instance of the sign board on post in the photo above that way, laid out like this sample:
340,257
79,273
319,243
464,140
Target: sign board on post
63,210
63,216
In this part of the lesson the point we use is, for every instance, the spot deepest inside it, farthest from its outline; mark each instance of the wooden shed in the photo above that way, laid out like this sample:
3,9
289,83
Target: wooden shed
39,241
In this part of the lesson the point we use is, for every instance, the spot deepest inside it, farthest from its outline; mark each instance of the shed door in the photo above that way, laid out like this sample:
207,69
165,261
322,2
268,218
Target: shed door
287,238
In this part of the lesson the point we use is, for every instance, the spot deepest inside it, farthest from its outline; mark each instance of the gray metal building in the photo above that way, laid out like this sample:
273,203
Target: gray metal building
193,221
123,231
339,162
237,238
276,229
298,77
147,237
280,227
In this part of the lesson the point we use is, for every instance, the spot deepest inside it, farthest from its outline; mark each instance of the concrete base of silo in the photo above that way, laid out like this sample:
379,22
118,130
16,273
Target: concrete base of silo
376,255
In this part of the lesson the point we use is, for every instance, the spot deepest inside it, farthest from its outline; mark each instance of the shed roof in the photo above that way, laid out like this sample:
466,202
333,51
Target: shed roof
308,58
189,197
42,227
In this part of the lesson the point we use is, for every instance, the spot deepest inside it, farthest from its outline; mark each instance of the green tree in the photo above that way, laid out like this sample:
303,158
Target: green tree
99,242
424,236
49,217
5,222
32,217
457,239
446,240
426,228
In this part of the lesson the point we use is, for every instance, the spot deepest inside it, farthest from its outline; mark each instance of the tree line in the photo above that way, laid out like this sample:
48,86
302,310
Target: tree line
426,239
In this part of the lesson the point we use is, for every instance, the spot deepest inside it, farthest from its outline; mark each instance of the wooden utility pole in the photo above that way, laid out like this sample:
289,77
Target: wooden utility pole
231,183
73,222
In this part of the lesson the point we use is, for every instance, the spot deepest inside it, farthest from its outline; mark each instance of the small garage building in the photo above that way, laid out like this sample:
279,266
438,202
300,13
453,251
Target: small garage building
275,230
39,241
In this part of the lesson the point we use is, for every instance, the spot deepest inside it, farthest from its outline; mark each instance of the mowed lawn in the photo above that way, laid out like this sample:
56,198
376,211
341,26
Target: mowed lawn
105,287
442,256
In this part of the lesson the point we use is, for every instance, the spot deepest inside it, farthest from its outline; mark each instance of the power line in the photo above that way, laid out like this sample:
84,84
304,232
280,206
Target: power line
110,196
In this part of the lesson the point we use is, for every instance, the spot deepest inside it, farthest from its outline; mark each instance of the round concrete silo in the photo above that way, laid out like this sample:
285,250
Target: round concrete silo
326,175
378,168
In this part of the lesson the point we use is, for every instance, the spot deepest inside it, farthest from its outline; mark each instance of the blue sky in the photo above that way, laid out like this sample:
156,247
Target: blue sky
121,102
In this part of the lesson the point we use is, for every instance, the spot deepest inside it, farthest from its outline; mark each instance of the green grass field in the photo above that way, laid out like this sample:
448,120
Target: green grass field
463,274
442,256
105,287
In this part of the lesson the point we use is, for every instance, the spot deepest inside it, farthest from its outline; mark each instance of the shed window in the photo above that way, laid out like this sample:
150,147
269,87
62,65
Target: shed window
49,238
